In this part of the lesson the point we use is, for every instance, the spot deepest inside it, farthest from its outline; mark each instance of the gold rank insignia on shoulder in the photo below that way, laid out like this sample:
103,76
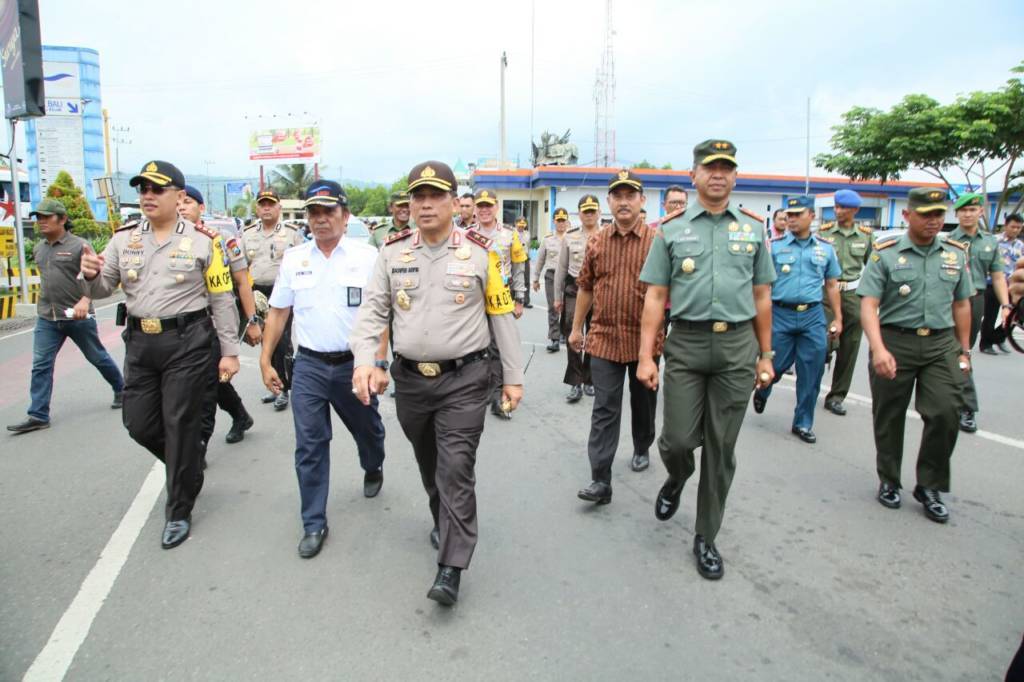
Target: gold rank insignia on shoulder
463,252
403,300
875,257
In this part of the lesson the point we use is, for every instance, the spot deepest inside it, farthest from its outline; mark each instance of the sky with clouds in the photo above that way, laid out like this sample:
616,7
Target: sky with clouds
395,82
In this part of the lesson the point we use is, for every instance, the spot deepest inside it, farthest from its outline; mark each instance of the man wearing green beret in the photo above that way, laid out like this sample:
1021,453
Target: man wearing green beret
916,315
398,207
716,261
985,261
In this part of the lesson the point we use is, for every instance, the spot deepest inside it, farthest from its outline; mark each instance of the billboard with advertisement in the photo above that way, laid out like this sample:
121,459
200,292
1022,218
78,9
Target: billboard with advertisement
22,58
298,143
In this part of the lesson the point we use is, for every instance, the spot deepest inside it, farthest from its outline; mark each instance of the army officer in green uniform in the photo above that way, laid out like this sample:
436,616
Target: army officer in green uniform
399,220
716,261
986,261
916,313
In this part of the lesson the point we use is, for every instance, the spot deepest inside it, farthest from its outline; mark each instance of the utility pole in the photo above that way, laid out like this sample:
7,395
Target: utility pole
533,31
208,164
501,127
807,168
19,237
119,137
604,98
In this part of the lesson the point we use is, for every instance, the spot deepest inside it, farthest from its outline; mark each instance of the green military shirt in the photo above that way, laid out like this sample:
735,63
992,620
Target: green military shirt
380,234
984,254
916,285
710,262
852,245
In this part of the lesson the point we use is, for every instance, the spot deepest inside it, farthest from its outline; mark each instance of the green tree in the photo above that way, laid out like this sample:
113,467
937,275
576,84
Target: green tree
244,208
977,138
644,163
64,190
291,179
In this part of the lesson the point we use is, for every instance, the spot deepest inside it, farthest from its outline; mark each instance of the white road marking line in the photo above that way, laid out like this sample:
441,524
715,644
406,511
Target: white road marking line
32,328
987,435
53,661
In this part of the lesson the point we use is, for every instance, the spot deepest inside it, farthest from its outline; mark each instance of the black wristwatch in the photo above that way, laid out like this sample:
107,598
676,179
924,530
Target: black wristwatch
255,319
964,351
382,364
520,299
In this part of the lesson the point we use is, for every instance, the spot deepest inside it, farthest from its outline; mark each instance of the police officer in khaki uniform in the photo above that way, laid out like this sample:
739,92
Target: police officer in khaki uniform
399,220
264,243
173,274
916,314
986,261
547,261
570,261
716,262
448,296
523,231
852,244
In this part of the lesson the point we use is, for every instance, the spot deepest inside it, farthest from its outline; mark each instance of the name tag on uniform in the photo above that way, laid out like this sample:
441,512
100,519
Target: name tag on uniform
462,268
688,238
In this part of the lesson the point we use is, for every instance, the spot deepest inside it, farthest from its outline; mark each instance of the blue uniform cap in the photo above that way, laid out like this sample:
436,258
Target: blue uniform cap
799,204
196,195
848,198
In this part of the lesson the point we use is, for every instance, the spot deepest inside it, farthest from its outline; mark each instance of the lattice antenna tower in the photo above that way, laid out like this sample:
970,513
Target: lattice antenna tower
604,98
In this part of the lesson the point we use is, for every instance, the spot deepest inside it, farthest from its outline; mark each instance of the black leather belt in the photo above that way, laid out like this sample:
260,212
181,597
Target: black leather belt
799,307
916,331
338,358
159,325
709,325
433,369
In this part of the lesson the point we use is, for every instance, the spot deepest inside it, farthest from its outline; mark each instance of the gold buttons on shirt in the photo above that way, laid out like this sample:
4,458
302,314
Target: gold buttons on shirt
179,278
785,268
131,275
403,300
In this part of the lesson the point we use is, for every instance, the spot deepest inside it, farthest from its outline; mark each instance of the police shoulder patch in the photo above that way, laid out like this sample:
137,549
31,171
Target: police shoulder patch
748,212
131,224
671,216
398,236
478,239
203,229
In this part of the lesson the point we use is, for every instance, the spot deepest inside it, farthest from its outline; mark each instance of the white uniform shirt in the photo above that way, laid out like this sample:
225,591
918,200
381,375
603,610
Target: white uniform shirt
324,293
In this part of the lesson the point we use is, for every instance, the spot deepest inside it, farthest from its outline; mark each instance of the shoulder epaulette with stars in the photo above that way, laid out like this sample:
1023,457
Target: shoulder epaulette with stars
203,229
251,226
398,236
885,244
478,239
959,245
669,216
128,225
290,226
748,212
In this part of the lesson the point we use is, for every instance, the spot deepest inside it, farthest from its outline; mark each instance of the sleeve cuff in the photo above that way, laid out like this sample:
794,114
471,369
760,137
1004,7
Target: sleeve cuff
229,349
512,378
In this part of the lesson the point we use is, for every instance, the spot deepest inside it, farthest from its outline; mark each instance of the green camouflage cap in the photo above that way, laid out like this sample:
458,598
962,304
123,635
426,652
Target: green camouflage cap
968,199
926,199
49,207
714,150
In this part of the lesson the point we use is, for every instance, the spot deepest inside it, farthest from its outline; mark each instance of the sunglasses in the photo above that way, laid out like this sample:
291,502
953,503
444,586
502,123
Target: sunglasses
150,188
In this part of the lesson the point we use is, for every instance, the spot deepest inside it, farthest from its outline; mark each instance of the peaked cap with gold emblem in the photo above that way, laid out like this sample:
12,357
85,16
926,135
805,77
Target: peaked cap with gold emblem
432,174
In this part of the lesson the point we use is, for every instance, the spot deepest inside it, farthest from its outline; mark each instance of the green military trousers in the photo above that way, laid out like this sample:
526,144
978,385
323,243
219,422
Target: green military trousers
928,367
970,392
708,380
848,346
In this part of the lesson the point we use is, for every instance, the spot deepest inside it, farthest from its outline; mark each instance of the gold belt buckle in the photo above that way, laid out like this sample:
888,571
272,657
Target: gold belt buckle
151,325
428,369
802,307
719,327
924,332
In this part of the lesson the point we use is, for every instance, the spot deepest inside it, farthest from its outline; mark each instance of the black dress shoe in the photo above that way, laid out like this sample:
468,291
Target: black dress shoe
445,590
175,533
435,538
597,491
311,543
667,502
806,435
553,346
118,402
989,350
281,401
709,561
835,407
236,434
268,398
760,400
30,424
588,390
498,412
574,395
373,481
934,509
640,461
968,424
889,496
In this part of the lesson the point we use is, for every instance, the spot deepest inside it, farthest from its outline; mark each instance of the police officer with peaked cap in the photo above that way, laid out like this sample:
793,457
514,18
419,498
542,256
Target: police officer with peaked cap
448,296
916,314
547,260
174,274
715,260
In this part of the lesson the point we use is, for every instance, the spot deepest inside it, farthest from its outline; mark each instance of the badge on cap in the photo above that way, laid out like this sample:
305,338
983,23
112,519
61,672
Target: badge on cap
427,172
152,167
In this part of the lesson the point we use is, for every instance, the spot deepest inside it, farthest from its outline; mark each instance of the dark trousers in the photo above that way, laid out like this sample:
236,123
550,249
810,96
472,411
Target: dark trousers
800,338
319,386
577,368
47,340
606,419
165,375
496,377
848,346
283,355
218,394
992,331
708,380
970,392
549,291
526,278
443,418
928,367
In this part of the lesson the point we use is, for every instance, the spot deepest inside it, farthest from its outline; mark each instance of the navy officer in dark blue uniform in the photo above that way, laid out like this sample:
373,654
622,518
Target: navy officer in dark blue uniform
803,263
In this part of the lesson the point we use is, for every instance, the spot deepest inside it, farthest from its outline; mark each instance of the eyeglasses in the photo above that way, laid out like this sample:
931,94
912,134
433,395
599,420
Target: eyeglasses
155,189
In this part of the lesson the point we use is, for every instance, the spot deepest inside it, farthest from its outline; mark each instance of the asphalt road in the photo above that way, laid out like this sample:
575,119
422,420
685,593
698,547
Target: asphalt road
821,581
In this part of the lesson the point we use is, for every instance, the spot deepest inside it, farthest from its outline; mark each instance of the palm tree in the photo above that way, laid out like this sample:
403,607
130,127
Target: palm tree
291,179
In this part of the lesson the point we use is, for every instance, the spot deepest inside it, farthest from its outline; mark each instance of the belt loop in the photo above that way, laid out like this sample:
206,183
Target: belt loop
180,317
